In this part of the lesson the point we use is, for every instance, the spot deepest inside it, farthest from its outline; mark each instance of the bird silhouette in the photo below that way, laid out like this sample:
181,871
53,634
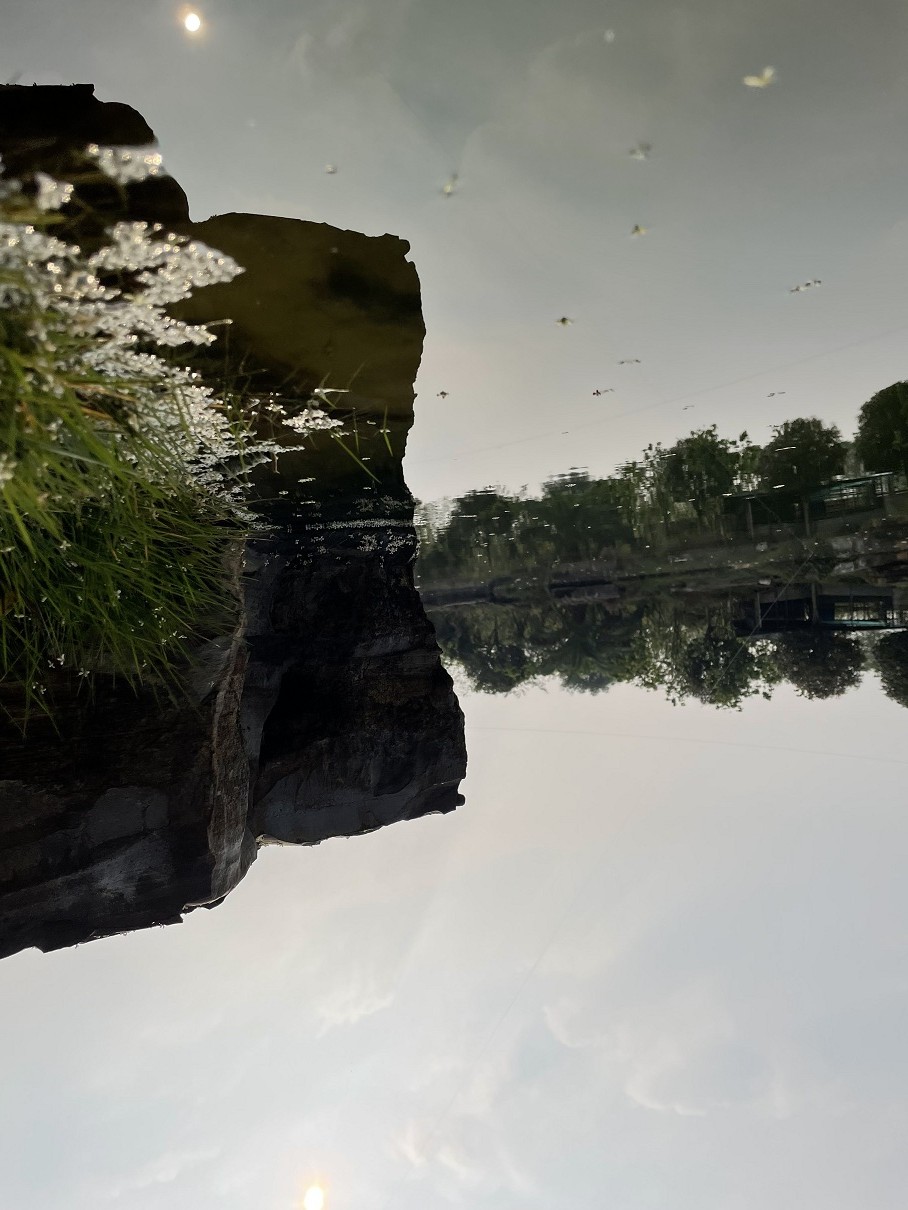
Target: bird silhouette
564,321
772,394
638,230
763,80
603,392
629,361
442,395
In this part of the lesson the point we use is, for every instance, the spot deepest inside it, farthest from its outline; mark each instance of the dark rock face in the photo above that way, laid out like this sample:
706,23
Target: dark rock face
326,711
134,812
43,126
352,716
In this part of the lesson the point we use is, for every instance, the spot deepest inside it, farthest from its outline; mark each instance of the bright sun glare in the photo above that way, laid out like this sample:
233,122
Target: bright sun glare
192,22
314,1199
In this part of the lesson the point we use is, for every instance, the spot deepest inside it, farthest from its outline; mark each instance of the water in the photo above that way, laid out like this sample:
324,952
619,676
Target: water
655,957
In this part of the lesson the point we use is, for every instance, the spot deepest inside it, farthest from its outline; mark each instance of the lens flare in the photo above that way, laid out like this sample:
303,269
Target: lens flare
192,22
314,1198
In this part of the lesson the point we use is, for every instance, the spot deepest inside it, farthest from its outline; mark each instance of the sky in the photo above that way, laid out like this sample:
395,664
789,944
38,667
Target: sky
746,193
657,962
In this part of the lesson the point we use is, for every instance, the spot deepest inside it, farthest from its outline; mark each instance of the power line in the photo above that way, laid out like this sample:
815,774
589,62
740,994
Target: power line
648,407
691,739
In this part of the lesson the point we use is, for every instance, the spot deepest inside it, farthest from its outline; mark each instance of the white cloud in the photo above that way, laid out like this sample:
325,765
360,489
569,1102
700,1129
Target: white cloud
163,1170
350,1002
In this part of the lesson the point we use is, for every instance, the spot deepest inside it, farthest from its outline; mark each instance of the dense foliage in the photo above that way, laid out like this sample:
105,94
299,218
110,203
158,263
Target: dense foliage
802,455
882,437
891,661
819,663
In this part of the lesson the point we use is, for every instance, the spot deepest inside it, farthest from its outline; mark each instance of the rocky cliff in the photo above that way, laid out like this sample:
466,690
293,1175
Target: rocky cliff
325,710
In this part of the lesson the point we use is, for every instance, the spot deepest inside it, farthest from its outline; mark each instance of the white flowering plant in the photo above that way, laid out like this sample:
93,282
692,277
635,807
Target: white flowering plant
121,472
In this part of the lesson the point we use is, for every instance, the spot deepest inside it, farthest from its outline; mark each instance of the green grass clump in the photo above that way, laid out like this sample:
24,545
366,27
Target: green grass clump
115,518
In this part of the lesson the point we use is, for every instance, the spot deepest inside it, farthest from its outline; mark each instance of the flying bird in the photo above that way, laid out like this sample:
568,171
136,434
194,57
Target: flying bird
641,151
687,407
442,395
605,392
449,188
638,230
772,394
629,361
564,321
763,80
331,169
807,285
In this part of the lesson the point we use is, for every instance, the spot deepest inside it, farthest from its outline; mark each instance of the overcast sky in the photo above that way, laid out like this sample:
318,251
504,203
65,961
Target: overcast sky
664,972
658,960
746,193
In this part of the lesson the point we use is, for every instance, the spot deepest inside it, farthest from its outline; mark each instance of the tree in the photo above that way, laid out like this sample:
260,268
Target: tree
487,642
589,650
803,454
702,468
818,663
582,514
882,439
694,653
891,661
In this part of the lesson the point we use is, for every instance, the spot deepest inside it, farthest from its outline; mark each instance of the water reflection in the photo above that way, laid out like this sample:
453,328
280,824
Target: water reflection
658,961
307,699
714,569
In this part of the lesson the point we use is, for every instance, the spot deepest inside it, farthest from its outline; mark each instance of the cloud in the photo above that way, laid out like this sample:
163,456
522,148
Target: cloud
680,1054
409,1145
163,1170
563,1019
350,1002
346,40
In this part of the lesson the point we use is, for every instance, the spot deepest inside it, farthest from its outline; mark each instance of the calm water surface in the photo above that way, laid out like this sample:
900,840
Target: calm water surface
657,961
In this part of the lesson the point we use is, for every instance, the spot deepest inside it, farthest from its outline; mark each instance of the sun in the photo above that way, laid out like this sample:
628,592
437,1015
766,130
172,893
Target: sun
192,23
314,1198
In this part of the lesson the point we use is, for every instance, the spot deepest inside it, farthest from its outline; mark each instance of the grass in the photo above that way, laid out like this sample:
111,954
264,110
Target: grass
122,476
110,552
114,520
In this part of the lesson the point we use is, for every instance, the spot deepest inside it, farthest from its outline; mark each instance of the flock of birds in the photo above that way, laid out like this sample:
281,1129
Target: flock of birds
640,151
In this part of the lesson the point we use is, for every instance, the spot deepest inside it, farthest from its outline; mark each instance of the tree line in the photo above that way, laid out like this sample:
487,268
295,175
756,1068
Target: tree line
669,491
691,651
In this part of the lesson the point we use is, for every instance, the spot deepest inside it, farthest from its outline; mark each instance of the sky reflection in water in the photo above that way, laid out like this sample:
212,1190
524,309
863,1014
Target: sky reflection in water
658,959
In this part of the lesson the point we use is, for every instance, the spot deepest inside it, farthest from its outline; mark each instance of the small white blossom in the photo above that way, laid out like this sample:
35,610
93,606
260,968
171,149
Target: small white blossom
310,420
94,339
52,194
126,165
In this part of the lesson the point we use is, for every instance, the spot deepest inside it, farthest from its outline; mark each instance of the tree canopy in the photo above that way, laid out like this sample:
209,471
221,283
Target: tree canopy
802,455
702,468
818,663
882,437
891,660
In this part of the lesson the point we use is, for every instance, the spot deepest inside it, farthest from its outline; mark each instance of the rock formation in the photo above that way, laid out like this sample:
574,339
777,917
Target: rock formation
325,711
